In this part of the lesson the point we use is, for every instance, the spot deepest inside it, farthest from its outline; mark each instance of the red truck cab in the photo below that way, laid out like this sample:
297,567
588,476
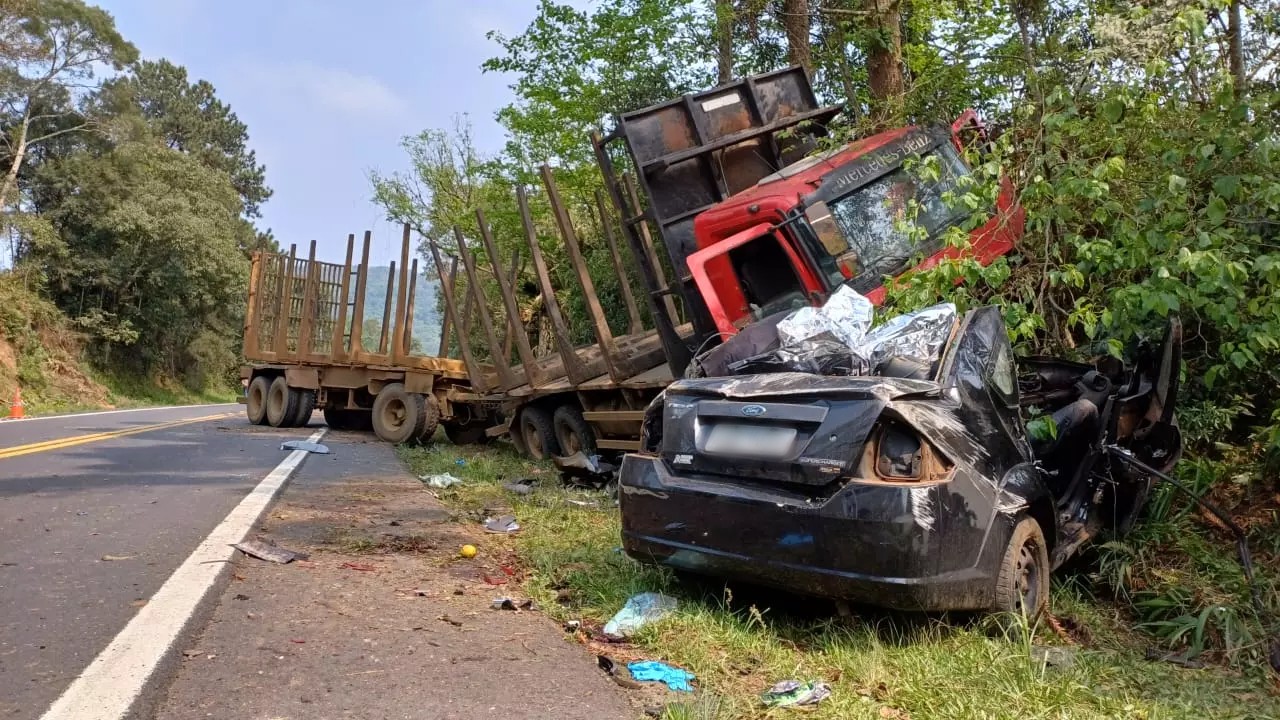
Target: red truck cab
835,218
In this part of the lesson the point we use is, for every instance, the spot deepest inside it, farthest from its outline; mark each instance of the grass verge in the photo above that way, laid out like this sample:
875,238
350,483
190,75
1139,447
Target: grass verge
880,665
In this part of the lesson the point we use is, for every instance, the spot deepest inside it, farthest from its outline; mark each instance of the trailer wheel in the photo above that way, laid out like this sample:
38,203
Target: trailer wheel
430,419
1023,583
306,405
256,400
537,433
573,434
398,415
282,405
340,418
467,433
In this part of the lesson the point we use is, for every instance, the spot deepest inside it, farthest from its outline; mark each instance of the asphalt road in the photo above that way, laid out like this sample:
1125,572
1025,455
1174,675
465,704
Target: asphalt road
96,511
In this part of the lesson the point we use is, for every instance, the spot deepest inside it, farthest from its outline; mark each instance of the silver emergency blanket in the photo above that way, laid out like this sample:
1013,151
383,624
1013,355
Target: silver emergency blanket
846,316
918,336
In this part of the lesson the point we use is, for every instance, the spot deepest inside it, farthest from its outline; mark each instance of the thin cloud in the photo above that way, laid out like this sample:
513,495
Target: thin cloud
328,88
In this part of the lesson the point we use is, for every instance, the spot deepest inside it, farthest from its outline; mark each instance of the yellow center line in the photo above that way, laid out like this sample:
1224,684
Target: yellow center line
60,443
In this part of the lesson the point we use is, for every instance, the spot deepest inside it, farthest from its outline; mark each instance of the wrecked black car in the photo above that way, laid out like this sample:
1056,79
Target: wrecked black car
903,476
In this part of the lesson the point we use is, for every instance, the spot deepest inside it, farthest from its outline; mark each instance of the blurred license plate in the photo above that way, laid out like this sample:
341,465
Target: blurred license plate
754,440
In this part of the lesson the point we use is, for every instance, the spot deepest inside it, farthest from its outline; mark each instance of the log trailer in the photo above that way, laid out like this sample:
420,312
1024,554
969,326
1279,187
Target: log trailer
752,221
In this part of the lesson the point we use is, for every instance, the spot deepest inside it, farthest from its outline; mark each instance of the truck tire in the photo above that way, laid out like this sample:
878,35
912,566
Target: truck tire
537,434
398,415
1023,583
467,433
430,419
573,434
306,406
282,405
340,418
256,400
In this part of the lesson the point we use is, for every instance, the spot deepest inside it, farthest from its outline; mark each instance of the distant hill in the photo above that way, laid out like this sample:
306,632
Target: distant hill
426,314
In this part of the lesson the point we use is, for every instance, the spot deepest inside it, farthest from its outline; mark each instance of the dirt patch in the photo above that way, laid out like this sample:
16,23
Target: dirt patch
384,620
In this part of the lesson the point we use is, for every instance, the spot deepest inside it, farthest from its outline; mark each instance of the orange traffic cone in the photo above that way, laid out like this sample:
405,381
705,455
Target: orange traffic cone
18,409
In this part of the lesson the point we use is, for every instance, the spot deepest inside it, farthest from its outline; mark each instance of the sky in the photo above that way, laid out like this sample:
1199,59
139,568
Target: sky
329,88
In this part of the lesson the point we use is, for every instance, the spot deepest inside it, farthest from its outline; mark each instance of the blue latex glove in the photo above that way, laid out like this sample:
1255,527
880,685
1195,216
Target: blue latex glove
654,671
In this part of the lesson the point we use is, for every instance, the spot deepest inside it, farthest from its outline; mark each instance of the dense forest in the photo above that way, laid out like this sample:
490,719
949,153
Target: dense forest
130,198
1139,137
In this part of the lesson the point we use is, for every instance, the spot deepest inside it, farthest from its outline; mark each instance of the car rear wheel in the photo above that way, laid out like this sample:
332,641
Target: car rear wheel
1023,583
537,433
282,405
398,415
256,400
573,434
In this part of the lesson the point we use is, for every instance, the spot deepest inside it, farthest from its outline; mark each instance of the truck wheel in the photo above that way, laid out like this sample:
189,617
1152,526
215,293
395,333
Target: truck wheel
537,433
573,434
1023,583
398,415
466,433
306,400
282,405
430,418
256,400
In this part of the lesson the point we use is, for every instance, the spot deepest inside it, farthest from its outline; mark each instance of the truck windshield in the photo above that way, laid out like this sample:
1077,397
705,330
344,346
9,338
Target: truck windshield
871,218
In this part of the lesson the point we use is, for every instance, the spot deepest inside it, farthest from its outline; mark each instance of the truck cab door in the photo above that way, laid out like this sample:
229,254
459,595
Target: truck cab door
750,275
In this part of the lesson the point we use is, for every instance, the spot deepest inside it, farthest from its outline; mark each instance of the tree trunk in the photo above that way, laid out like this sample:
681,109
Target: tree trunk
1235,45
795,21
20,153
724,40
884,60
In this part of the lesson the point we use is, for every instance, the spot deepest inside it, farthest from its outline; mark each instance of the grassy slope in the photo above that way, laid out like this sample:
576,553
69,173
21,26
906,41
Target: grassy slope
880,665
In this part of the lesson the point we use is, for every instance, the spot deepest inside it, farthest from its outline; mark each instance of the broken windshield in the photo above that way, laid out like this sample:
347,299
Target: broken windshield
874,218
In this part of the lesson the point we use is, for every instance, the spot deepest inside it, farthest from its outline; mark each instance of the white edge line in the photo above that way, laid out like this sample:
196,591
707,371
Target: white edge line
110,684
6,421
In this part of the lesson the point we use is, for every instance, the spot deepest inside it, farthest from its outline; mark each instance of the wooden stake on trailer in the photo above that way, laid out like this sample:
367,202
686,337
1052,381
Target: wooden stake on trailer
306,328
646,242
574,368
619,368
406,340
397,329
253,350
478,381
284,303
515,329
357,315
386,309
505,377
624,282
341,350
446,327
514,324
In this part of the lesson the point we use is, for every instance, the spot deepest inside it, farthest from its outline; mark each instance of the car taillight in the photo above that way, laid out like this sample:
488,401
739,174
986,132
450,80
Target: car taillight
651,427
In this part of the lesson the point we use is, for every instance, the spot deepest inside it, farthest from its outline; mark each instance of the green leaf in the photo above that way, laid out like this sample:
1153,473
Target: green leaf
1216,211
1226,186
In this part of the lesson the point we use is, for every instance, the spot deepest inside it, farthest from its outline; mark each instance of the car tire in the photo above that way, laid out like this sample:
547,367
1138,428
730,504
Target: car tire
282,405
537,434
1023,583
398,415
573,433
256,400
306,400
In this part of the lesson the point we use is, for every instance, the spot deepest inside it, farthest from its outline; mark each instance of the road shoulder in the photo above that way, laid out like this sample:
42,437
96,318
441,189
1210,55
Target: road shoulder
382,621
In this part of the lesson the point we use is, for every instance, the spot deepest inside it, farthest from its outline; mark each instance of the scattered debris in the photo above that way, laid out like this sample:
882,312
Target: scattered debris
520,487
310,447
441,481
580,466
572,625
653,671
491,580
264,551
639,611
138,603
788,693
619,673
240,596
1179,659
502,525
459,462
116,558
468,551
1054,657
362,567
506,603
451,621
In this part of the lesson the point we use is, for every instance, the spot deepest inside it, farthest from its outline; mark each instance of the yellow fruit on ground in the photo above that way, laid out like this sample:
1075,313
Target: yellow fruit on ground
468,551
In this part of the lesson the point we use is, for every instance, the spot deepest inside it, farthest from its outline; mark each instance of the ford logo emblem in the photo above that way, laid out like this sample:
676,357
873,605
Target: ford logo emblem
754,410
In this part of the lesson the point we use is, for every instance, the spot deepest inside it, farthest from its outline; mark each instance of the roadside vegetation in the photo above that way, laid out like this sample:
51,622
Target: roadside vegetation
127,213
738,641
